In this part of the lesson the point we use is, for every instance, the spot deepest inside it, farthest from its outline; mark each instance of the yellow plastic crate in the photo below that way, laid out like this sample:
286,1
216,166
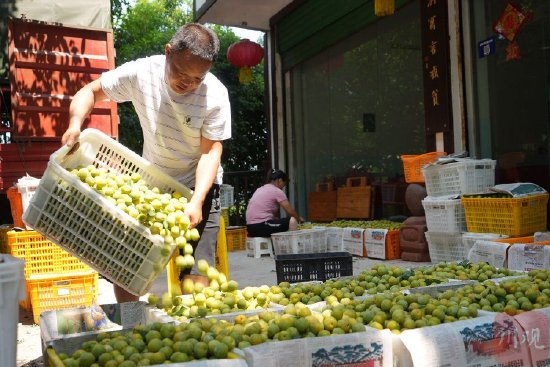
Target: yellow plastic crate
48,293
514,217
225,215
236,238
41,255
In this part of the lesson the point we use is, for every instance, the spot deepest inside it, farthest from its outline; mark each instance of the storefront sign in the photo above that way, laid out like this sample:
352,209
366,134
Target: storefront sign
435,53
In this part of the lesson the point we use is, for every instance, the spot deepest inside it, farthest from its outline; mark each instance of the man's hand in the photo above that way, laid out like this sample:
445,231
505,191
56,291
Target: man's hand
194,212
80,108
71,136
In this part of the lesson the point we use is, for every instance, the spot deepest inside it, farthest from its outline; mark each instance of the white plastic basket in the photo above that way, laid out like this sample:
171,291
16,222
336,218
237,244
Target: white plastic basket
84,223
27,186
226,196
445,246
467,176
303,241
470,238
444,215
12,290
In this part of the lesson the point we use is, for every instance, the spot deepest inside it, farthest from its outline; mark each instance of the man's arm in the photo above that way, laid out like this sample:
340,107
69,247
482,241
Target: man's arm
207,168
80,108
290,211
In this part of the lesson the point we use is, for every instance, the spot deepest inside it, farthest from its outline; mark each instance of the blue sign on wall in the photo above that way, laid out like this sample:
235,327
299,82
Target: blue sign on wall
486,48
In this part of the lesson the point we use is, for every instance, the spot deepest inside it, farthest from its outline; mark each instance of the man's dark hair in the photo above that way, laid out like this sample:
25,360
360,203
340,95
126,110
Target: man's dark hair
200,40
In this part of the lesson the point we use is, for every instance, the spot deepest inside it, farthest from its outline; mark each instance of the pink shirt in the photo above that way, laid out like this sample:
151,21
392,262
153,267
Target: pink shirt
264,204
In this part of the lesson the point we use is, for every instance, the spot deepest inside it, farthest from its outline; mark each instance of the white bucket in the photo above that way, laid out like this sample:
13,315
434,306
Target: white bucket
12,290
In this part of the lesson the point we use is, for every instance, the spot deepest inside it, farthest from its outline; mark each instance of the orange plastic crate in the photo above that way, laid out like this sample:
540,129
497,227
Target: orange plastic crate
392,246
412,165
61,292
41,255
236,238
16,206
514,217
512,240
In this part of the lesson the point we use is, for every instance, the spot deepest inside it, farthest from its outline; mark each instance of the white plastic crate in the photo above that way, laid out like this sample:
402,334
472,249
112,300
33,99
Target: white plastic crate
444,215
470,238
445,246
12,290
226,196
87,225
27,186
303,241
467,176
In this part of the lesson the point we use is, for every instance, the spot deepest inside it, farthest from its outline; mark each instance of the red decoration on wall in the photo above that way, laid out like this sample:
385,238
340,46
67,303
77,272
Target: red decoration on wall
244,55
513,52
510,22
509,25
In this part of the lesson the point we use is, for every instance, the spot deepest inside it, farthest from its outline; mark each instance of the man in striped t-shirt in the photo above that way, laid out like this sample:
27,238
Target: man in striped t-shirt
185,115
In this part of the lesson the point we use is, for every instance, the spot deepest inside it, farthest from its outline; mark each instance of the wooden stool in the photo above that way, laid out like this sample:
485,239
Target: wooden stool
258,246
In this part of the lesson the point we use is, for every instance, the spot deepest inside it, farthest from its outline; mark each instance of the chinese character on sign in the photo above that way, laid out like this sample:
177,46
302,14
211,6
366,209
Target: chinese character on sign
431,22
434,74
534,338
431,3
435,97
433,47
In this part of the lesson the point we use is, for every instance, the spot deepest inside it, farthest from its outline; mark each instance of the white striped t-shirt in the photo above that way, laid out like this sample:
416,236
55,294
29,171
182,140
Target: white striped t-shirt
172,124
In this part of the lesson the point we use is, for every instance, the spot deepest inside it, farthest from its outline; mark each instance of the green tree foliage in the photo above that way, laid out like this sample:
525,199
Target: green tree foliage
143,29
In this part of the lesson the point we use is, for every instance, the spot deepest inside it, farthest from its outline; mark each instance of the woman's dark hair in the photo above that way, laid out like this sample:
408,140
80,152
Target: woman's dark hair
276,174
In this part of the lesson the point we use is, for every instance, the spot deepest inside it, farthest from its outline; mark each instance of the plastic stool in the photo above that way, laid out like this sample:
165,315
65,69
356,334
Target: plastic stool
258,246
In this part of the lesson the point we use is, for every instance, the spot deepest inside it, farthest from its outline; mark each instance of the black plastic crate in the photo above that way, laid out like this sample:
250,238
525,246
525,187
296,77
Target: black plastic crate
319,266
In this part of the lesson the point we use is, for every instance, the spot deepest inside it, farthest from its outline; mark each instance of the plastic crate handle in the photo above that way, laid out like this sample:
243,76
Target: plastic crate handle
70,151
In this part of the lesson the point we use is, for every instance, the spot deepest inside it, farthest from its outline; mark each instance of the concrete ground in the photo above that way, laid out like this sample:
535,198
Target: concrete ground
247,271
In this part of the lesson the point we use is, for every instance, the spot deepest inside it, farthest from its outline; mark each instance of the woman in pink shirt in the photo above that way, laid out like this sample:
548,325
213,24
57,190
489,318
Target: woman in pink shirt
262,213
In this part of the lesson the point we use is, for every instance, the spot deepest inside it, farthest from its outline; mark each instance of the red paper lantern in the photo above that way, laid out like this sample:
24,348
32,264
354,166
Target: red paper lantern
244,55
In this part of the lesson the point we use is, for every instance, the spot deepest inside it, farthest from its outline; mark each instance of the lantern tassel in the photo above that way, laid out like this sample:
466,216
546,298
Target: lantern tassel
384,7
245,75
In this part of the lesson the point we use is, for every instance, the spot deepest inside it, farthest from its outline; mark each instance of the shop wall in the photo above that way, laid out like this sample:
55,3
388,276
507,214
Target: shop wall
512,89
358,105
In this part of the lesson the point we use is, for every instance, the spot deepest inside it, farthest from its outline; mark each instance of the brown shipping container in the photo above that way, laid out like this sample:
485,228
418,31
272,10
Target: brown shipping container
49,63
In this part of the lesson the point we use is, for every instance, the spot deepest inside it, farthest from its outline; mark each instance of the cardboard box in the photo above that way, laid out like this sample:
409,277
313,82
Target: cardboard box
321,206
353,241
369,348
536,330
484,341
382,244
354,202
490,252
526,257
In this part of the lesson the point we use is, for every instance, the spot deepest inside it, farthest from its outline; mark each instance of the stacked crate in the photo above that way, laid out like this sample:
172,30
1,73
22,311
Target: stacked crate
54,278
354,201
321,203
226,201
444,211
236,238
412,241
